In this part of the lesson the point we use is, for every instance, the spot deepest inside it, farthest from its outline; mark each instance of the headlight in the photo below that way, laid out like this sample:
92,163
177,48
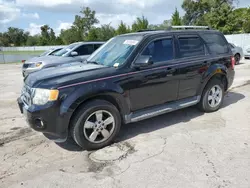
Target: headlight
42,96
35,65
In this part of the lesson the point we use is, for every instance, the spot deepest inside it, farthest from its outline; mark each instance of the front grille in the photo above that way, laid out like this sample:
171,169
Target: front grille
25,65
26,95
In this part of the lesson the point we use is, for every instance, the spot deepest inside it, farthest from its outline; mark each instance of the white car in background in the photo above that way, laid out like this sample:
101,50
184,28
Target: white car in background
247,52
237,51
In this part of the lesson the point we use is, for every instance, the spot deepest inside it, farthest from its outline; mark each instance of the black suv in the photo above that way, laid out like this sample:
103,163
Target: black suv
130,78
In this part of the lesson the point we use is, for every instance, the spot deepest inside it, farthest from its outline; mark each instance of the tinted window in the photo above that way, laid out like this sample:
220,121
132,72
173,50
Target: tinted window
216,43
96,46
160,50
190,46
86,49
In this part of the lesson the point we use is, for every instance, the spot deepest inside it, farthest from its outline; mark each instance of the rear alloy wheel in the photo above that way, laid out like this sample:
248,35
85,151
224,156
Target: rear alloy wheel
96,124
212,97
237,59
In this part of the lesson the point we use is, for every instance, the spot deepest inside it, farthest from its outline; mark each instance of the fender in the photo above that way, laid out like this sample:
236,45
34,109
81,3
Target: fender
78,95
215,69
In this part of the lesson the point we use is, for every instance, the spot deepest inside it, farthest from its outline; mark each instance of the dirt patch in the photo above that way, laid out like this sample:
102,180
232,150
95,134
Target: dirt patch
20,133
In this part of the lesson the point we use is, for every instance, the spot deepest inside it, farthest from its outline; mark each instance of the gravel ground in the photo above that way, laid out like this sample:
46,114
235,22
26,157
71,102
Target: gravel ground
185,148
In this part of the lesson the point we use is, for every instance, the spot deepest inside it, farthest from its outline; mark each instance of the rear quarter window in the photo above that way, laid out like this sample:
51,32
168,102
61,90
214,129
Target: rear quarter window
216,43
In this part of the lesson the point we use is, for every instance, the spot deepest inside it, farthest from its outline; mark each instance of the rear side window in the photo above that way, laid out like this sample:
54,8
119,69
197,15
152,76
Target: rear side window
85,49
216,43
96,46
190,46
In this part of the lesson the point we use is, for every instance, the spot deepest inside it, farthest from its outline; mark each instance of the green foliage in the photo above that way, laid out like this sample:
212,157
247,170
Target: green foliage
122,29
176,19
140,24
165,25
70,35
83,24
33,40
103,33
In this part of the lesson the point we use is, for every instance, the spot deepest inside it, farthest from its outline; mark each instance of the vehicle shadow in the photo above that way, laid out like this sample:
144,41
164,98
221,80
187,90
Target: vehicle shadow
131,130
159,122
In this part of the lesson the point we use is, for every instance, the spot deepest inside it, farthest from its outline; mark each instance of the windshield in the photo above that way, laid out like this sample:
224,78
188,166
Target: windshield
45,53
65,50
115,51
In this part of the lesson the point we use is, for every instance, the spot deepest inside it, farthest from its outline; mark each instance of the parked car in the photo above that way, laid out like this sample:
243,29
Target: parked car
130,78
74,52
237,52
247,52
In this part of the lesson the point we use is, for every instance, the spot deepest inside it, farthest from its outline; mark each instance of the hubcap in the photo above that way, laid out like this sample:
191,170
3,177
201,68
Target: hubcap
215,96
99,126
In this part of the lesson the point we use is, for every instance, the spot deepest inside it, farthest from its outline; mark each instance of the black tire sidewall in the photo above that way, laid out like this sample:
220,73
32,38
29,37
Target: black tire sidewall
204,105
83,114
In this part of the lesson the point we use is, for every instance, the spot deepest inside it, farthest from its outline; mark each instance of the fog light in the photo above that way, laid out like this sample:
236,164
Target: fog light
39,123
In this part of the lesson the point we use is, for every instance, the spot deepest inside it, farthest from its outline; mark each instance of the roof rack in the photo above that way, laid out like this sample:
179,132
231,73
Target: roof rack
190,27
144,30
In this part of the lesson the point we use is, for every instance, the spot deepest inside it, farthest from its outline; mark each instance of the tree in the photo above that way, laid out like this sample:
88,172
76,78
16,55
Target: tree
165,25
106,32
197,11
140,24
70,35
52,36
15,36
33,40
122,28
45,36
83,24
176,19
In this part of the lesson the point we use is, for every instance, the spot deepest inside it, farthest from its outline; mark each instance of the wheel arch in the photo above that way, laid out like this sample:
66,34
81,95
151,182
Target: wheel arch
114,98
216,73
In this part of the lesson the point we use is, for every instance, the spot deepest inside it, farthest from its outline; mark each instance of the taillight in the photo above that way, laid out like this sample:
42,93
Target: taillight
232,62
23,61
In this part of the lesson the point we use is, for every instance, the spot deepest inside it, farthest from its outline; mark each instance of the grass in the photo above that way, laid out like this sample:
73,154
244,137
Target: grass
1,63
21,52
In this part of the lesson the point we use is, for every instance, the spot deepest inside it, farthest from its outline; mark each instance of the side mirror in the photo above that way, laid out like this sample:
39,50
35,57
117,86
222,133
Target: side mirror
74,53
143,61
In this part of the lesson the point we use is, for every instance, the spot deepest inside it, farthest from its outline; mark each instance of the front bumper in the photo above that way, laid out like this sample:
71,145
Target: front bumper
46,119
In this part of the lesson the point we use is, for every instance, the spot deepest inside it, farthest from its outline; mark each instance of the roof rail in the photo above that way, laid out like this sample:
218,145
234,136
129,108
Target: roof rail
190,27
143,30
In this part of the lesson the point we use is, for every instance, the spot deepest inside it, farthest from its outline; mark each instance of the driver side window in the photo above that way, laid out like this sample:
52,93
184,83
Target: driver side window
160,50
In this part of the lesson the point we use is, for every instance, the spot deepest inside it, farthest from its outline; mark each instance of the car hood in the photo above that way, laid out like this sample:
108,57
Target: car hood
61,74
50,60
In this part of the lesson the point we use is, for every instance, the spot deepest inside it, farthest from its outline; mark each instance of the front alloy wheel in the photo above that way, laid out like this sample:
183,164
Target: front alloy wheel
96,124
99,126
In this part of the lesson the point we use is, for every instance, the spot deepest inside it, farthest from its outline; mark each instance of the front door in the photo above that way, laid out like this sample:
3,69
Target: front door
156,84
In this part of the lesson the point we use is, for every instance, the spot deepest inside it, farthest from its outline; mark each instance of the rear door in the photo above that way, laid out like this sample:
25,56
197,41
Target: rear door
191,56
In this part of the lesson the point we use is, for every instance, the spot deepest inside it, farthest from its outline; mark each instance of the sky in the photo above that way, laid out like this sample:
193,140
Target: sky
30,15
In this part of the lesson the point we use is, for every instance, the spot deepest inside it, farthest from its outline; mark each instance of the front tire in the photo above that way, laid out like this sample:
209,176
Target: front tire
212,97
96,125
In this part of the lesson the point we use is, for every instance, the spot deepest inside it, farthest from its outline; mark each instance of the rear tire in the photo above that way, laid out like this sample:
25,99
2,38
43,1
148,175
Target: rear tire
237,59
212,97
96,125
